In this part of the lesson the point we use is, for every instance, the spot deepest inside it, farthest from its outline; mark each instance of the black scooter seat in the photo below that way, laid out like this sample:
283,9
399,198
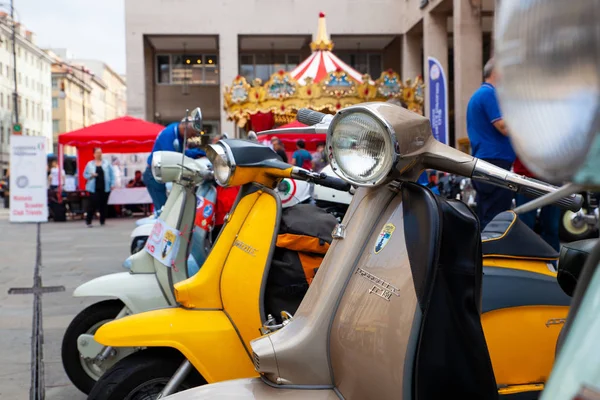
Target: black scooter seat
506,236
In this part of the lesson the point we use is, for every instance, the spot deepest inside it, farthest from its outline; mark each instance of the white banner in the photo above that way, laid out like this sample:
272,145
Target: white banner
163,243
28,179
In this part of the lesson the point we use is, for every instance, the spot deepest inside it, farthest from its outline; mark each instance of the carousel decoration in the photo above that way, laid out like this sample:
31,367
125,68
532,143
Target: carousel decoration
322,82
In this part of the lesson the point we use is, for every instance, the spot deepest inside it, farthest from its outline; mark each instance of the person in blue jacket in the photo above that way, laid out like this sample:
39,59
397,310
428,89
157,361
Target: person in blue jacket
169,139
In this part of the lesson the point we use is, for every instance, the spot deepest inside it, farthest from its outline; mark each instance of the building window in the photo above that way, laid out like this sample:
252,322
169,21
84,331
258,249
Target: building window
365,63
262,65
54,83
193,69
54,102
1,133
163,68
55,125
2,100
26,81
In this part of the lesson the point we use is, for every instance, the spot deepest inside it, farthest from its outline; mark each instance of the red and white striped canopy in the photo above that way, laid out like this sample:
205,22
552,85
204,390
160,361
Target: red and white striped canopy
321,63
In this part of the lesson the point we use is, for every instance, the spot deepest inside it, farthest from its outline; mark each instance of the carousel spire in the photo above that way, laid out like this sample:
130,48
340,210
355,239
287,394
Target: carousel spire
322,40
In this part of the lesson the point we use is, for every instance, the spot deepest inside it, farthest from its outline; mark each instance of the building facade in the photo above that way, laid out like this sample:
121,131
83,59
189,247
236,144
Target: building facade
33,87
175,63
84,92
71,100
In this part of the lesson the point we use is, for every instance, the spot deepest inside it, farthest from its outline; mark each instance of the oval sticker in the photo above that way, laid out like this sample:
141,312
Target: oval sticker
384,237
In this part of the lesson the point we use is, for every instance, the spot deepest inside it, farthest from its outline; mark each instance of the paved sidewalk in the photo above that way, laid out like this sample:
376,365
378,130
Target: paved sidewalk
71,255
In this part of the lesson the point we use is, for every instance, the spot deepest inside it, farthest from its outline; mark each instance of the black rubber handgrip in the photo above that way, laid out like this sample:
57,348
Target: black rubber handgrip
333,183
309,117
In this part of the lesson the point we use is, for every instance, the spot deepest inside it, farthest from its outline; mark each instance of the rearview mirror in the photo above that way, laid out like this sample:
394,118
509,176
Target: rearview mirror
196,117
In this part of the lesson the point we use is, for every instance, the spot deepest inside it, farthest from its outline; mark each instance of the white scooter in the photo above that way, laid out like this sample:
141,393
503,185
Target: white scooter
149,282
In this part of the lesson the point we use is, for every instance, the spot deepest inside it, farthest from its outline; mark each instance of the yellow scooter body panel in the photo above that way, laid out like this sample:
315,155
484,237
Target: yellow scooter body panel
203,289
206,338
245,273
522,342
522,339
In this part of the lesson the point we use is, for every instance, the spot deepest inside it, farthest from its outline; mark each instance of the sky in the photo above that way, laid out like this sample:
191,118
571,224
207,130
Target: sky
88,28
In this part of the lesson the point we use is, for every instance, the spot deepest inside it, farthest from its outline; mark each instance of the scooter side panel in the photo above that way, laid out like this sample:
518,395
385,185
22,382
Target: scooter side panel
372,327
251,389
139,292
522,342
301,348
206,338
246,266
142,230
203,290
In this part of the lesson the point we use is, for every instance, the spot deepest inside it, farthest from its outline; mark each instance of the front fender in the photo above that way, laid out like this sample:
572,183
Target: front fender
205,337
139,292
142,230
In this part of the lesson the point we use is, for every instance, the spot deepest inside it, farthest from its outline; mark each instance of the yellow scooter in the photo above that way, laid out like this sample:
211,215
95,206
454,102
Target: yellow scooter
222,308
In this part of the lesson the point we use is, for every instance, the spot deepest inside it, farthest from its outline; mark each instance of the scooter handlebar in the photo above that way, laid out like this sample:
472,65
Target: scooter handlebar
333,183
489,173
309,117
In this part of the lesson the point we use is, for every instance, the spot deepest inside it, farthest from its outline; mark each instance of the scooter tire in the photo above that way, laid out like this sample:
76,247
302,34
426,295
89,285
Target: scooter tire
151,367
81,324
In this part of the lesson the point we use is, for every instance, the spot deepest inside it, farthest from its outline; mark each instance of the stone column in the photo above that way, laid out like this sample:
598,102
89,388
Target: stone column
435,44
411,56
136,77
468,53
228,70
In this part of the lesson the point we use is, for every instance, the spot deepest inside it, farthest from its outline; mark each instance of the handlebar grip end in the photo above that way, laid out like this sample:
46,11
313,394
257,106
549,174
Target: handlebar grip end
309,117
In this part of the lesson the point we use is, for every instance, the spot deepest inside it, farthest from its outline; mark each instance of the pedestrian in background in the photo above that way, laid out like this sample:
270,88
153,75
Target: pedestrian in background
169,139
319,158
489,141
53,176
301,157
549,215
279,148
100,180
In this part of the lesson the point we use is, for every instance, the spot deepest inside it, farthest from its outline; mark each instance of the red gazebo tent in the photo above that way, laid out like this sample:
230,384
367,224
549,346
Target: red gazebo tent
121,135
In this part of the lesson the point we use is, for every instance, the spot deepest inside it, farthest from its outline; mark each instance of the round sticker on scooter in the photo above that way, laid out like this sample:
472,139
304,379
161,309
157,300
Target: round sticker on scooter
384,237
287,190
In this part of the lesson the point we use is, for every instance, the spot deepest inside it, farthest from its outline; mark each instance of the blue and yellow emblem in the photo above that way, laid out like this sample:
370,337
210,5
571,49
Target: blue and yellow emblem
384,237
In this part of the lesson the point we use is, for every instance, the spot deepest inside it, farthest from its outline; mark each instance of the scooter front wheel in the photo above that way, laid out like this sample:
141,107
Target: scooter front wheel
142,376
83,372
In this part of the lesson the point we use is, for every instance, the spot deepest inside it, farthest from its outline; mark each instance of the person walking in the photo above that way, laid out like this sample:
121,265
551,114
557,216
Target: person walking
169,139
489,141
100,180
301,157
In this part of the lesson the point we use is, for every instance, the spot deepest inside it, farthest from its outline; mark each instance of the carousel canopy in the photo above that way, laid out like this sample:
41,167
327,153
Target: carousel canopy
322,82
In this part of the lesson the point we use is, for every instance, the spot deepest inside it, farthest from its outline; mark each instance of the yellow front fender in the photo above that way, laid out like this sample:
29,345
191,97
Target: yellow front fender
205,337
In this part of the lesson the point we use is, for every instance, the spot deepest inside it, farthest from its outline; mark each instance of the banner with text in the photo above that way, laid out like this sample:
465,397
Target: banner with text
438,101
28,179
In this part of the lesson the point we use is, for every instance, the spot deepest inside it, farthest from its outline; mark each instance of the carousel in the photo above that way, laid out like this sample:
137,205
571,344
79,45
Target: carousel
322,82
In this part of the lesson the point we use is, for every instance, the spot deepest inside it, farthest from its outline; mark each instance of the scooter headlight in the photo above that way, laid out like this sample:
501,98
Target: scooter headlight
157,167
361,146
222,161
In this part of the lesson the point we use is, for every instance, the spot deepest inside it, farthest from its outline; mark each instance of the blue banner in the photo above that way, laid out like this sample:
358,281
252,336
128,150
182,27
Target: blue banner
438,101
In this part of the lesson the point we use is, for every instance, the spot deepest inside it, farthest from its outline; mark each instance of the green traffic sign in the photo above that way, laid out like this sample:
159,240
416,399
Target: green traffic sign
17,127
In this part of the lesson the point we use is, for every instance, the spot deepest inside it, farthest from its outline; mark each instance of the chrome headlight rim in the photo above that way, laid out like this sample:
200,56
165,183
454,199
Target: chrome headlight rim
223,151
389,137
156,167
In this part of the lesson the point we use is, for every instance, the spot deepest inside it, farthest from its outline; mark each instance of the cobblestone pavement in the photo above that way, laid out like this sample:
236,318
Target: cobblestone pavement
71,255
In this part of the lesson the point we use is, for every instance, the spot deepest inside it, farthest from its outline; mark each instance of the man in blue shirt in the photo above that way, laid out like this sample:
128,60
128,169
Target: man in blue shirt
169,139
301,157
489,141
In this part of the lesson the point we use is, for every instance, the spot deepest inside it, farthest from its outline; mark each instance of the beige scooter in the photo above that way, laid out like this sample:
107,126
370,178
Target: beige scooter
394,312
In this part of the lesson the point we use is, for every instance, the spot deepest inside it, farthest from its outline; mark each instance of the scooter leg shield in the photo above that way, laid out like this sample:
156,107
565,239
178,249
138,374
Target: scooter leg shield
205,337
139,292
